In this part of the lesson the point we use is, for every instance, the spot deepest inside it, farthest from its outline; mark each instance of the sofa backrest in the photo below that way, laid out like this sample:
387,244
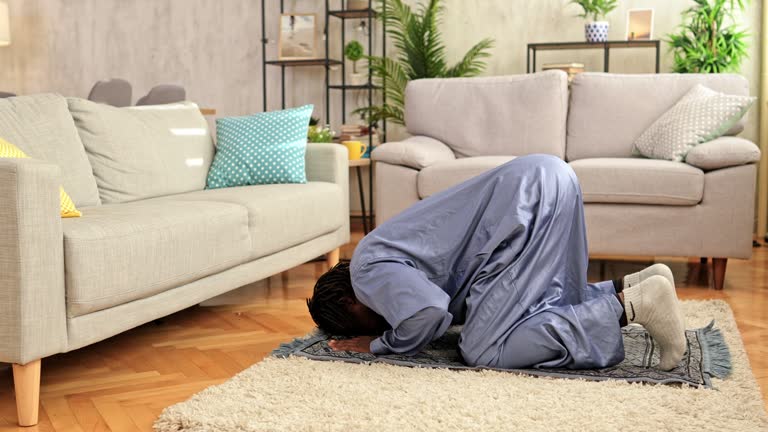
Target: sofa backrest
40,125
491,116
144,152
608,112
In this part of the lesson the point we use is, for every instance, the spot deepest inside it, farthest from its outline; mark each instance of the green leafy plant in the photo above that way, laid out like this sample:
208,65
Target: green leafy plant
313,121
354,52
420,54
709,41
319,134
596,8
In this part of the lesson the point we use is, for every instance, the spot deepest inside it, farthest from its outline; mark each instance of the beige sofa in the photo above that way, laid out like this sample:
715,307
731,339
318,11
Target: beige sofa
151,241
633,206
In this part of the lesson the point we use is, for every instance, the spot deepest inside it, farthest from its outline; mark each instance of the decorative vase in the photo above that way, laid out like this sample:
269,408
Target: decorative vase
358,79
596,31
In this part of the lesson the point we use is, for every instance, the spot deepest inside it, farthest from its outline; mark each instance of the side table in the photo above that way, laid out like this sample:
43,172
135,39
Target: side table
357,164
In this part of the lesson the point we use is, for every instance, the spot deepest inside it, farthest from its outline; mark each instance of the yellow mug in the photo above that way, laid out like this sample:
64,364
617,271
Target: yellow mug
356,149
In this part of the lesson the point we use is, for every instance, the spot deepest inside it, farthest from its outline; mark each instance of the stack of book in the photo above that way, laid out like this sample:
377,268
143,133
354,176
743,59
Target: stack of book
570,68
353,132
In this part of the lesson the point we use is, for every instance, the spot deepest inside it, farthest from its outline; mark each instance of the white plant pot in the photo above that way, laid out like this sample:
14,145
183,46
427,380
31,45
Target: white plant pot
596,31
358,79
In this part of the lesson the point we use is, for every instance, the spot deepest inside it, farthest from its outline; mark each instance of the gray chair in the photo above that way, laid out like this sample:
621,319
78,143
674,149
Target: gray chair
163,94
6,95
116,92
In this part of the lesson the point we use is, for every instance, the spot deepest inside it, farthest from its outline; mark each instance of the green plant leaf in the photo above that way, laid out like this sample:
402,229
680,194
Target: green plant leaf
420,53
709,41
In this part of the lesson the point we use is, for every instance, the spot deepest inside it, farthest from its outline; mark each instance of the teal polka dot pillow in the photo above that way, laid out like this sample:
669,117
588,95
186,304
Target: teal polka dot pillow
265,148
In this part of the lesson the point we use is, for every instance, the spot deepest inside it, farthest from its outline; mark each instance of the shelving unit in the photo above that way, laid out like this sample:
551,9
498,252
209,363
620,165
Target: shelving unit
343,14
368,14
533,48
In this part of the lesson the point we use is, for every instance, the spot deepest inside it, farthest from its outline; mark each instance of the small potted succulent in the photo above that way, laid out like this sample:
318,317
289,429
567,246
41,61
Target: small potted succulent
353,51
596,31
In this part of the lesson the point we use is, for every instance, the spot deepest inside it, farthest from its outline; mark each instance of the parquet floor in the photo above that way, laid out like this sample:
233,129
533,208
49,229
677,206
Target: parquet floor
123,383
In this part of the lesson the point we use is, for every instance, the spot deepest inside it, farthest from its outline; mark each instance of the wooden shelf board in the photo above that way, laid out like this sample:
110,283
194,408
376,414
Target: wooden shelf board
353,13
303,62
552,46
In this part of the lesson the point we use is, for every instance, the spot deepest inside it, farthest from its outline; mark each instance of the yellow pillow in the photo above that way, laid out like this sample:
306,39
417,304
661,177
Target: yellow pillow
68,209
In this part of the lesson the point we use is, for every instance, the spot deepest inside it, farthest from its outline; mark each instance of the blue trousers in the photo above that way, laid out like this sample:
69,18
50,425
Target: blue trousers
531,305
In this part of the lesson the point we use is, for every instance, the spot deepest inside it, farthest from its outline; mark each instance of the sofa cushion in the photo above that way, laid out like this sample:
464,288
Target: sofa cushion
700,116
608,112
639,181
723,152
282,215
146,151
491,116
41,126
123,252
442,175
264,148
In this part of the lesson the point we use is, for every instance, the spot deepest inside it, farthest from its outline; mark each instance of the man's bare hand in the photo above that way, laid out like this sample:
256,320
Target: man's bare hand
361,344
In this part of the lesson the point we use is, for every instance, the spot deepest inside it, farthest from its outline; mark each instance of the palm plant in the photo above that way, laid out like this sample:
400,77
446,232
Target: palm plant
709,41
595,8
420,54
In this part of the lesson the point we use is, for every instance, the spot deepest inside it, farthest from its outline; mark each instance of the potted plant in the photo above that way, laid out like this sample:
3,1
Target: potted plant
353,51
596,31
320,134
420,53
709,41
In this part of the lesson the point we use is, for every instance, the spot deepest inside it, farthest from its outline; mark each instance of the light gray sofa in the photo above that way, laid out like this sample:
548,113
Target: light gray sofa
634,206
151,241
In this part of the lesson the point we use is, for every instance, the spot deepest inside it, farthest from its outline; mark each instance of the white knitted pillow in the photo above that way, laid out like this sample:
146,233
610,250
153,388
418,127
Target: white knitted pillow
699,116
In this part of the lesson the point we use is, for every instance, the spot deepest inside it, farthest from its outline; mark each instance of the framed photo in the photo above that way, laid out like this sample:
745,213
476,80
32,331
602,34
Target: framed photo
640,24
298,37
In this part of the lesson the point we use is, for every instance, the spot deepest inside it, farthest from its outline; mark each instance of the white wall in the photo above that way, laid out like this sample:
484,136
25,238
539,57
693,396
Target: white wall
213,48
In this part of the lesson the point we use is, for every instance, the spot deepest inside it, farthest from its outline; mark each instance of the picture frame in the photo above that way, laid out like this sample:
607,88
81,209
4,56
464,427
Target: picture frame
298,36
640,24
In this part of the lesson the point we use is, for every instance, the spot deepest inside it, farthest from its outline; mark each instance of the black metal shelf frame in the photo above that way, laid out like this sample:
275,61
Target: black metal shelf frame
533,48
343,14
366,14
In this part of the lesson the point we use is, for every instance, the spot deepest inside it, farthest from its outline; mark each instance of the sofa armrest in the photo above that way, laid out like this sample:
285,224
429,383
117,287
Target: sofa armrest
327,163
416,152
32,297
723,152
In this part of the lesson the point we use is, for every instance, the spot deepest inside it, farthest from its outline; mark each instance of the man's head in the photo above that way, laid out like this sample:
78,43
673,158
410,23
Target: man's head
335,309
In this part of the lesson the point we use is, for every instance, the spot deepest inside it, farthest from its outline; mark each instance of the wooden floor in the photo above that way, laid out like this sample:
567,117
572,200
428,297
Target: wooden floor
122,384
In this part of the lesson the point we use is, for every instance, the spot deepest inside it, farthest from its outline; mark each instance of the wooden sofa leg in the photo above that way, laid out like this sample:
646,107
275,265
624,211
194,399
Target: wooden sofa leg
718,267
26,381
332,257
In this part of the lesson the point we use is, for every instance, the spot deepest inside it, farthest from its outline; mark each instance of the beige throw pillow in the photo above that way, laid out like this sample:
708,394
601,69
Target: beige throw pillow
146,151
700,116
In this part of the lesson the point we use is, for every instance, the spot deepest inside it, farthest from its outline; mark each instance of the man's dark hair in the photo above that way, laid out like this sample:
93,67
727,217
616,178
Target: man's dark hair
328,306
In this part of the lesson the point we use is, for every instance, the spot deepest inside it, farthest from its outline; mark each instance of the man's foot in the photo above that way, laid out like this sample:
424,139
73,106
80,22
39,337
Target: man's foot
659,269
653,304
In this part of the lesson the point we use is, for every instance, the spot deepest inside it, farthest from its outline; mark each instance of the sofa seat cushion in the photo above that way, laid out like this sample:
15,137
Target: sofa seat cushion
639,181
282,215
118,253
442,175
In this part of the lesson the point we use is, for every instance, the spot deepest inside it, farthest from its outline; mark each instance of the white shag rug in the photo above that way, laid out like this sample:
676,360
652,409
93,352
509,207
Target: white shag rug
297,394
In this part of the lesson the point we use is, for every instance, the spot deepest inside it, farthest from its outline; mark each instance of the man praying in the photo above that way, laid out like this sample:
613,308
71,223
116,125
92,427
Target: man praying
504,254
